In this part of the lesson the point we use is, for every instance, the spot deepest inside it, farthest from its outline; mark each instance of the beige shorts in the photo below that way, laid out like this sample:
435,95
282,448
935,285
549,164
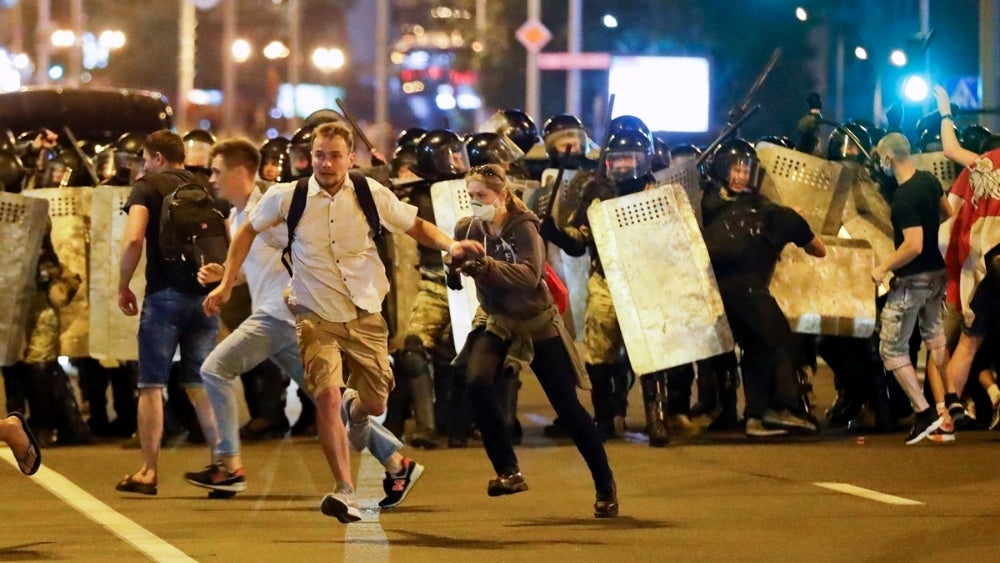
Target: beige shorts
362,343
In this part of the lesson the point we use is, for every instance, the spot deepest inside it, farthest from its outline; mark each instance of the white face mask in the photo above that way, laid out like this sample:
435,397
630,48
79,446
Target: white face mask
484,211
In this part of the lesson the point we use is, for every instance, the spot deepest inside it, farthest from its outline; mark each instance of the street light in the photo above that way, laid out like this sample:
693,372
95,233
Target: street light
898,57
801,14
63,38
915,88
610,21
111,39
328,60
276,50
241,50
861,53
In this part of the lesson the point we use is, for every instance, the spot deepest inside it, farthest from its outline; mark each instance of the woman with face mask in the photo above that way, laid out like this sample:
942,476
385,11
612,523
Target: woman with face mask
515,303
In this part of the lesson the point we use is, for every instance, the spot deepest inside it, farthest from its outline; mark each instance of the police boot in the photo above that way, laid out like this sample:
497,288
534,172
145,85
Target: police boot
708,393
679,381
306,424
271,421
728,419
508,385
601,393
124,380
413,364
622,380
94,387
654,398
14,380
70,427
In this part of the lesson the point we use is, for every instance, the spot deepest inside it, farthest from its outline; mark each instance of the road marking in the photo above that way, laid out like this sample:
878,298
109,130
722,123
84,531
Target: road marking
868,494
366,540
140,538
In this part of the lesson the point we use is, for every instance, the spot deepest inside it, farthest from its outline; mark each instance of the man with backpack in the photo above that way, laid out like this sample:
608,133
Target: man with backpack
338,284
173,213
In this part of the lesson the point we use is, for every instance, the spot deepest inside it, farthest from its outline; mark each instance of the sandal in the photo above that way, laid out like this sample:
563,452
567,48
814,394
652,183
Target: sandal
129,485
24,462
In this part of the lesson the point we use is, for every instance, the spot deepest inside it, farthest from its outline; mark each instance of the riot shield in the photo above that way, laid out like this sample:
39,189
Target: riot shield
817,188
22,228
451,203
686,174
69,210
661,279
112,334
832,295
573,270
938,164
402,257
570,193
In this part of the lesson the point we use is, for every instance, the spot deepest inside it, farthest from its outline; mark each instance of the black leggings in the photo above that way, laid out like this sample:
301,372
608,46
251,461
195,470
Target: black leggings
553,368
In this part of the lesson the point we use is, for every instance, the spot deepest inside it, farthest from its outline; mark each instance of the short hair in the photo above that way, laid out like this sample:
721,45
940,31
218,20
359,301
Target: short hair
237,151
895,145
333,129
167,143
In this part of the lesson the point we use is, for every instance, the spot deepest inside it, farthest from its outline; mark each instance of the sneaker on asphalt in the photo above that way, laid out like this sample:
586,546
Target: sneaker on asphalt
340,506
924,423
944,433
756,429
357,432
785,420
396,487
216,477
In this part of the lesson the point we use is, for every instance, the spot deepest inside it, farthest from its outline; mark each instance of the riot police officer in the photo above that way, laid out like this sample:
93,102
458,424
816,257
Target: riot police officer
493,148
197,146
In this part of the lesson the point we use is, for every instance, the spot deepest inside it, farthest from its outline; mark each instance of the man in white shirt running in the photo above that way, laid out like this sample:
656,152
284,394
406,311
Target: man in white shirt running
269,332
337,289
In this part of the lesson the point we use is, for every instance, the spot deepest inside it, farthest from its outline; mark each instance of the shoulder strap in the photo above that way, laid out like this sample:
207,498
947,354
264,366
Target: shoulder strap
367,202
295,211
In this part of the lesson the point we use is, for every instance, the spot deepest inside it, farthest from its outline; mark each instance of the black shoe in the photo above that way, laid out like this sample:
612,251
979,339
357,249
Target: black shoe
507,484
658,435
607,502
924,423
959,416
396,487
556,430
216,478
423,443
263,429
725,422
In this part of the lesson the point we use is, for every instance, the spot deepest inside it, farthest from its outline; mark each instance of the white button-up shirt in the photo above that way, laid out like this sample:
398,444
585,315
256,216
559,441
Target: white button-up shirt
266,276
335,262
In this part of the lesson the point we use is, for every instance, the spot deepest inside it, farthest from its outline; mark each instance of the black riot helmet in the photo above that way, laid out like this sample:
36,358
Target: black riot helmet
403,161
275,163
441,155
735,165
627,123
300,152
104,165
513,123
661,153
128,158
971,137
64,170
930,138
410,137
321,116
562,131
11,171
491,148
628,159
840,145
197,147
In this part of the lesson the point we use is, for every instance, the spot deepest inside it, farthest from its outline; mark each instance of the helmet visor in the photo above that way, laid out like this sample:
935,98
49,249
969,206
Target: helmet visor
452,159
196,153
557,142
497,123
627,165
507,151
744,175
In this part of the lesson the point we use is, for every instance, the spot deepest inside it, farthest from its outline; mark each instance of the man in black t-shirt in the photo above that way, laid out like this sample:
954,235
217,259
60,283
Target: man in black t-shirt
171,316
917,290
745,234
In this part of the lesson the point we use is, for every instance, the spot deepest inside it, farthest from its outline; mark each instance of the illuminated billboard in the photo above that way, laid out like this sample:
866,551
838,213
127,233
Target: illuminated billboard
667,93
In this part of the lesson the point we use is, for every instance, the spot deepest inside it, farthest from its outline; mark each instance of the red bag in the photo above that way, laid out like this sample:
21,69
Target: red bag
557,288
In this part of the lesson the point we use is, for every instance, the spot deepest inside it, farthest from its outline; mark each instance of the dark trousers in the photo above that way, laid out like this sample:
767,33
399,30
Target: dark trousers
553,368
768,345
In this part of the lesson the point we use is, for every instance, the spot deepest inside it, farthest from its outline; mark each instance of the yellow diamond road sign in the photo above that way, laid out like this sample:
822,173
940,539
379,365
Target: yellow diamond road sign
533,35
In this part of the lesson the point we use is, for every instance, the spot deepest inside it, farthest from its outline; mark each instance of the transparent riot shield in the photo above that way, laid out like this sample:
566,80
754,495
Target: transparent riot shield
573,270
938,164
451,203
112,334
817,188
832,295
22,227
661,279
686,174
69,210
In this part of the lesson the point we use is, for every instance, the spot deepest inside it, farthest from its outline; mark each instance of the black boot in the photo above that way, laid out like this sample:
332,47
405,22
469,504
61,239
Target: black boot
727,378
679,381
708,391
70,427
602,395
654,398
607,502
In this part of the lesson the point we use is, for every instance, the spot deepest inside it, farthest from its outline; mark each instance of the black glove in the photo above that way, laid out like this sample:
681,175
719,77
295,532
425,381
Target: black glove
548,229
453,280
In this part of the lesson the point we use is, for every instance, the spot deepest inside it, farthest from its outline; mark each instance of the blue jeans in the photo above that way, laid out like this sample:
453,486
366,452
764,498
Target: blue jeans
171,318
916,300
258,338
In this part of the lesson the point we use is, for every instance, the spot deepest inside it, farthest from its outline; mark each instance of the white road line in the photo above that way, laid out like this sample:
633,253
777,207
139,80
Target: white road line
868,494
140,538
366,540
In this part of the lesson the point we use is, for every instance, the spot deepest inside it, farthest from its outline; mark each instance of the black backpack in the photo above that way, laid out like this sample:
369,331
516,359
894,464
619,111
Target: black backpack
298,206
193,233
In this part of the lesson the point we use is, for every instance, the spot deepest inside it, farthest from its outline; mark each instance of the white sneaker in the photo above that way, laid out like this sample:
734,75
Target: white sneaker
340,506
756,429
357,432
